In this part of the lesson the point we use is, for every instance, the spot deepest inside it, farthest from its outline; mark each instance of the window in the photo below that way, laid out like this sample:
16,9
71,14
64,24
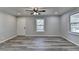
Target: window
74,23
40,25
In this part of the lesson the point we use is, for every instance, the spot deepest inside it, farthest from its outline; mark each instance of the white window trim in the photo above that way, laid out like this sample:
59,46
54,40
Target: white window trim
70,32
40,25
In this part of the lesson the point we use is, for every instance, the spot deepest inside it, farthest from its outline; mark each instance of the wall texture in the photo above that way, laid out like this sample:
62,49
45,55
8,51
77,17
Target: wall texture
7,26
65,28
51,26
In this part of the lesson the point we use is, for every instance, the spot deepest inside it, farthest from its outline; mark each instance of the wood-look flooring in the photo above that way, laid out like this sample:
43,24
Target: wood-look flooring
22,43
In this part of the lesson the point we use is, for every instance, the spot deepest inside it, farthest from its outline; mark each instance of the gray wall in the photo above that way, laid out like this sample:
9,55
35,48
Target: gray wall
51,26
73,37
7,26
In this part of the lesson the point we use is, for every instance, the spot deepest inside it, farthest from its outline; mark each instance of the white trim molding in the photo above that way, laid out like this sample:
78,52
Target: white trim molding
1,41
42,35
71,41
45,35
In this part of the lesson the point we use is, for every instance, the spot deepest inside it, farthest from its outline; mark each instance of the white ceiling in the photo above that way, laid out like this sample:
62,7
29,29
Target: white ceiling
20,11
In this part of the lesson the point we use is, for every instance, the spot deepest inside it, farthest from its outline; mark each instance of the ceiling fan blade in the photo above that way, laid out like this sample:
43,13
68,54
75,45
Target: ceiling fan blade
42,11
29,10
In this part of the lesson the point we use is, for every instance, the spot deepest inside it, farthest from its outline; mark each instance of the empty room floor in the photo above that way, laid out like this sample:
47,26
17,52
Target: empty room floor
22,43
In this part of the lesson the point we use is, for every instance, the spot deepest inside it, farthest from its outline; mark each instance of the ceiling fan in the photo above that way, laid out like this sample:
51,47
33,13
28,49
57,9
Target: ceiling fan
35,11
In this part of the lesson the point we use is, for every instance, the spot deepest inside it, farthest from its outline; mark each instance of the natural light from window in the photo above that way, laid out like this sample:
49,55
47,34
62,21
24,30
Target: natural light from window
74,23
40,25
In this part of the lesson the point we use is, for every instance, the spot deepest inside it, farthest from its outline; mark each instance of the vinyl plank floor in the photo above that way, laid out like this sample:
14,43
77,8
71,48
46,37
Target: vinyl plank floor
23,43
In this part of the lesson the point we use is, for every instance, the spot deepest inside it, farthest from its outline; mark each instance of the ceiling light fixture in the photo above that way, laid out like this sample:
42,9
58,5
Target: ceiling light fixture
56,12
18,13
35,13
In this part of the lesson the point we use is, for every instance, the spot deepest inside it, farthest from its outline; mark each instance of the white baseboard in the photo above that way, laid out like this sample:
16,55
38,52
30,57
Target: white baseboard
7,39
45,35
71,41
42,35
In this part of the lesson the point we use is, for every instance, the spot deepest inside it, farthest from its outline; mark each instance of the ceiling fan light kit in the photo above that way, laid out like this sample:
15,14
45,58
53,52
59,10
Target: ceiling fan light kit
35,13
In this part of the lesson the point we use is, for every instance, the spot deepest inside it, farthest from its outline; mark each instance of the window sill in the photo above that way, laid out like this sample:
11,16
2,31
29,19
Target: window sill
73,33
